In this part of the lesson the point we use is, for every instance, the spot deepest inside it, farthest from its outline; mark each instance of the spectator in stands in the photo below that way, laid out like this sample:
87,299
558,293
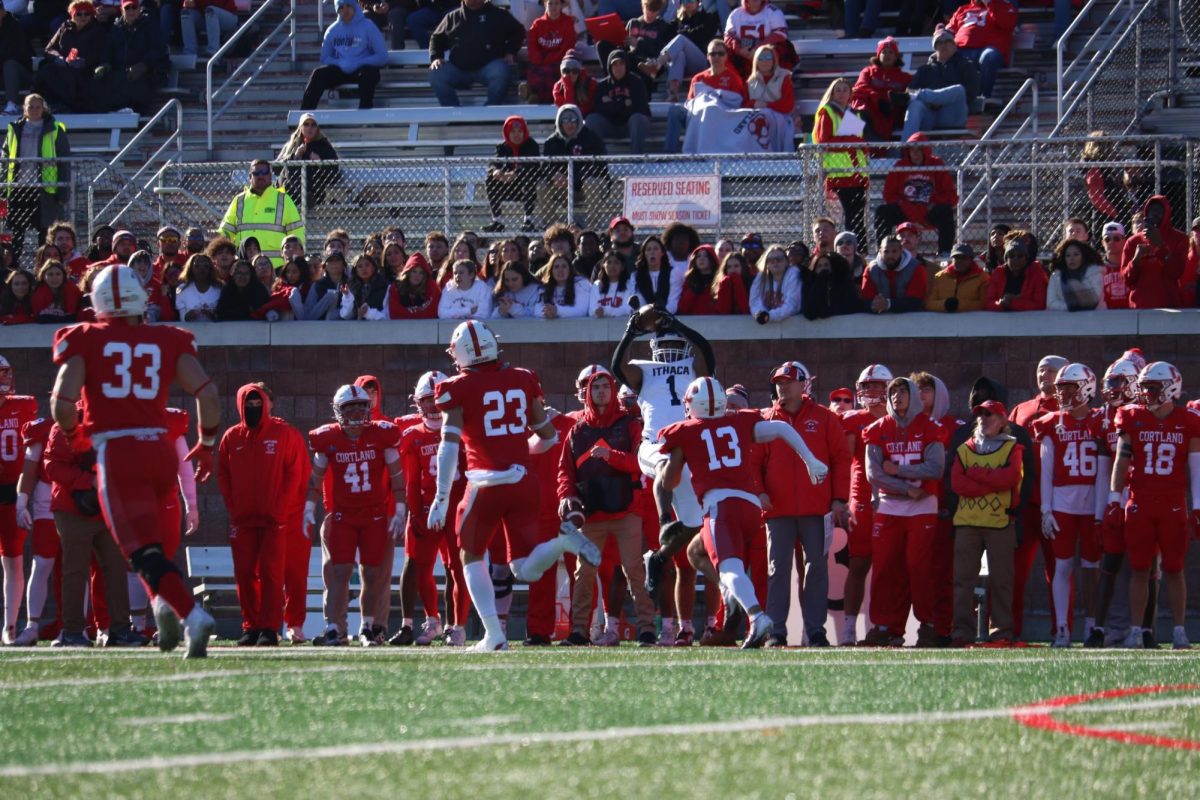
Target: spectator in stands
32,188
961,285
719,81
622,107
423,18
217,17
654,279
393,259
465,296
124,243
646,36
1017,285
197,240
101,246
775,294
613,289
942,89
62,236
770,92
242,296
475,43
160,300
1154,258
415,294
733,283
824,234
65,75
752,248
264,270
895,282
588,257
308,143
846,246
862,18
511,176
16,303
995,249
681,240
565,295
223,253
1108,195
262,211
828,288
366,291
1187,283
699,292
844,167
684,54
47,252
196,300
621,239
571,137
1076,278
576,86
1075,228
517,295
919,190
751,25
917,16
1116,295
880,92
551,37
983,31
16,61
169,258
352,51
56,300
135,61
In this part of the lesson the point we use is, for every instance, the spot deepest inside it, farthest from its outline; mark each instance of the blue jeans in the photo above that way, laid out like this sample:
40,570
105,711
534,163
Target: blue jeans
686,58
421,24
990,63
722,9
626,9
215,21
859,17
635,129
931,109
676,122
496,75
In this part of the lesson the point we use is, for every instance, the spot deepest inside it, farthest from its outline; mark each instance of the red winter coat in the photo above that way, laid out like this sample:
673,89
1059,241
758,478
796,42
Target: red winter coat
785,477
874,86
565,94
67,471
991,24
916,192
261,470
550,39
43,299
433,292
1033,290
1154,282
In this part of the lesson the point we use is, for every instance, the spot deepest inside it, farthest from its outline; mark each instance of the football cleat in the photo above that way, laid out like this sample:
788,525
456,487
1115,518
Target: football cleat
249,638
197,629
126,637
268,637
402,637
666,637
926,636
295,635
610,638
1095,638
574,639
330,638
72,640
1134,640
9,636
760,629
818,638
645,639
881,637
170,630
1148,640
653,566
456,636
1180,639
575,542
1062,638
776,641
536,641
27,637
491,644
431,630
685,638
368,637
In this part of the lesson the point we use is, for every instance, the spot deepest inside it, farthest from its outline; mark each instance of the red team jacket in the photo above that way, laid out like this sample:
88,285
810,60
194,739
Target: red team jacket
262,471
784,474
67,471
978,24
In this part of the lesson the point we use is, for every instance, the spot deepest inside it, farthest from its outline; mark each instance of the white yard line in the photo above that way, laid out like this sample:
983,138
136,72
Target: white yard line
176,719
188,677
547,737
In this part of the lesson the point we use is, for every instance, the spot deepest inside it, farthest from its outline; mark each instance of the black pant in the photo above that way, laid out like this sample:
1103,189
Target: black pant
25,211
328,76
521,188
888,216
854,209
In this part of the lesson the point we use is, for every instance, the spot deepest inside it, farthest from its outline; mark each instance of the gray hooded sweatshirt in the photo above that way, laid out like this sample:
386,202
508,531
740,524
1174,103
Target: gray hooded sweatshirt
891,491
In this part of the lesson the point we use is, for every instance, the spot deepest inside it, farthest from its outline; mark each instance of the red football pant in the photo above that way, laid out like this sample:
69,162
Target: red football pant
258,565
943,564
136,479
485,509
1076,530
862,525
297,554
756,562
172,526
12,536
904,564
361,531
1031,541
729,528
1156,524
458,599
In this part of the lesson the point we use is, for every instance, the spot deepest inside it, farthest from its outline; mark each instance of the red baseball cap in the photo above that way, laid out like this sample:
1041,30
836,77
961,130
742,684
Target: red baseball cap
841,393
617,221
992,407
908,226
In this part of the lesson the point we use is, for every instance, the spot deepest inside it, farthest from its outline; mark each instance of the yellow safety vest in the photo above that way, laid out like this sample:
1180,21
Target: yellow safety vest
270,218
49,150
839,163
990,510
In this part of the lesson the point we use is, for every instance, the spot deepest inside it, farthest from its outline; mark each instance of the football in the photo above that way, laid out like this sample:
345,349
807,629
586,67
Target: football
648,317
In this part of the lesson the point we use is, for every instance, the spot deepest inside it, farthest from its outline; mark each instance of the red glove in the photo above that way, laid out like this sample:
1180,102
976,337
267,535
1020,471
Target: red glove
1114,519
202,457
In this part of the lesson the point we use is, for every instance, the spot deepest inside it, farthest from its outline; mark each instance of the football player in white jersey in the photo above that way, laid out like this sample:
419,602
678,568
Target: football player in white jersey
661,383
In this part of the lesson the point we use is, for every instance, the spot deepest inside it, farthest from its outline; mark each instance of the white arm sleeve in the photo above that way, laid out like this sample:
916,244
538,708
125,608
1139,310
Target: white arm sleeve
1047,476
447,465
768,430
187,476
1103,471
1194,478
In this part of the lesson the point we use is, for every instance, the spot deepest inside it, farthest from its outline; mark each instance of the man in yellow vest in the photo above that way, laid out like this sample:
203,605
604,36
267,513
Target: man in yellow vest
31,187
986,476
264,212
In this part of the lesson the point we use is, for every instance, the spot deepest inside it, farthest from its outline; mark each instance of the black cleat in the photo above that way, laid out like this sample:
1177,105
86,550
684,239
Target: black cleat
268,638
1095,638
126,637
537,641
402,638
330,638
249,638
818,638
575,640
646,639
776,641
654,565
735,617
1148,641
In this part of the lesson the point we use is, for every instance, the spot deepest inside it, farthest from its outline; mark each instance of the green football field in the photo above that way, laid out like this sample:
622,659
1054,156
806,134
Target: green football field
605,723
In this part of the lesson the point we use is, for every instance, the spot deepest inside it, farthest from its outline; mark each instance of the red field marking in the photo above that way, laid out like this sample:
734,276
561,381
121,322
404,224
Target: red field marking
1045,720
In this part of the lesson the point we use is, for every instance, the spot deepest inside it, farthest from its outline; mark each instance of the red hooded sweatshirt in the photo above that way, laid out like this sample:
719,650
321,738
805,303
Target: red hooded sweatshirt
978,24
550,39
1154,281
916,192
376,407
583,437
875,85
784,475
262,471
427,309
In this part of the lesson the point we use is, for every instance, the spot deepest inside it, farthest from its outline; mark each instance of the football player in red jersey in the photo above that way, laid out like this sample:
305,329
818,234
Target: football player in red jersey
1075,469
490,409
871,392
364,458
1159,448
714,445
34,515
123,369
15,411
905,459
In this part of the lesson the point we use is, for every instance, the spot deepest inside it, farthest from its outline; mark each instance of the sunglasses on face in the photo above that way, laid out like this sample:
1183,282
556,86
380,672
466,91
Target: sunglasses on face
843,400
716,53
984,414
169,239
307,124
79,14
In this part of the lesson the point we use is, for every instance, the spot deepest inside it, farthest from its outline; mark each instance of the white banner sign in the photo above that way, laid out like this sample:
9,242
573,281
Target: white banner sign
660,200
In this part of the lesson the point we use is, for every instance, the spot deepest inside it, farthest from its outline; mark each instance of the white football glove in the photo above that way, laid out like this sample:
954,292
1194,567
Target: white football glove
24,518
1049,525
397,522
310,518
437,513
817,471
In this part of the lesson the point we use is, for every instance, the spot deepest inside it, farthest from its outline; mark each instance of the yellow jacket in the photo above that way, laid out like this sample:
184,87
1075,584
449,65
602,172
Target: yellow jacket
970,289
269,217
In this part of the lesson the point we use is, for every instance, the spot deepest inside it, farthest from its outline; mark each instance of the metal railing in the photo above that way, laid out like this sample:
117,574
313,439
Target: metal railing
268,48
131,191
1101,41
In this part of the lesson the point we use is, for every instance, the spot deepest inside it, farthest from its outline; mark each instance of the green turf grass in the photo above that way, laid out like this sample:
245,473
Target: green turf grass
88,720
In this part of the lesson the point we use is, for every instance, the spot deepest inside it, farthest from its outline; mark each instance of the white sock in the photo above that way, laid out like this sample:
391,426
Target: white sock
368,622
540,559
687,625
1061,590
14,585
483,595
39,585
406,622
736,583
613,623
138,599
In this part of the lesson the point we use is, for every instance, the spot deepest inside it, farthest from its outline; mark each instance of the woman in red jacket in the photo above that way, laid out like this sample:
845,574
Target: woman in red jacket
732,285
551,36
576,86
1017,285
55,300
699,295
872,92
16,304
415,294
